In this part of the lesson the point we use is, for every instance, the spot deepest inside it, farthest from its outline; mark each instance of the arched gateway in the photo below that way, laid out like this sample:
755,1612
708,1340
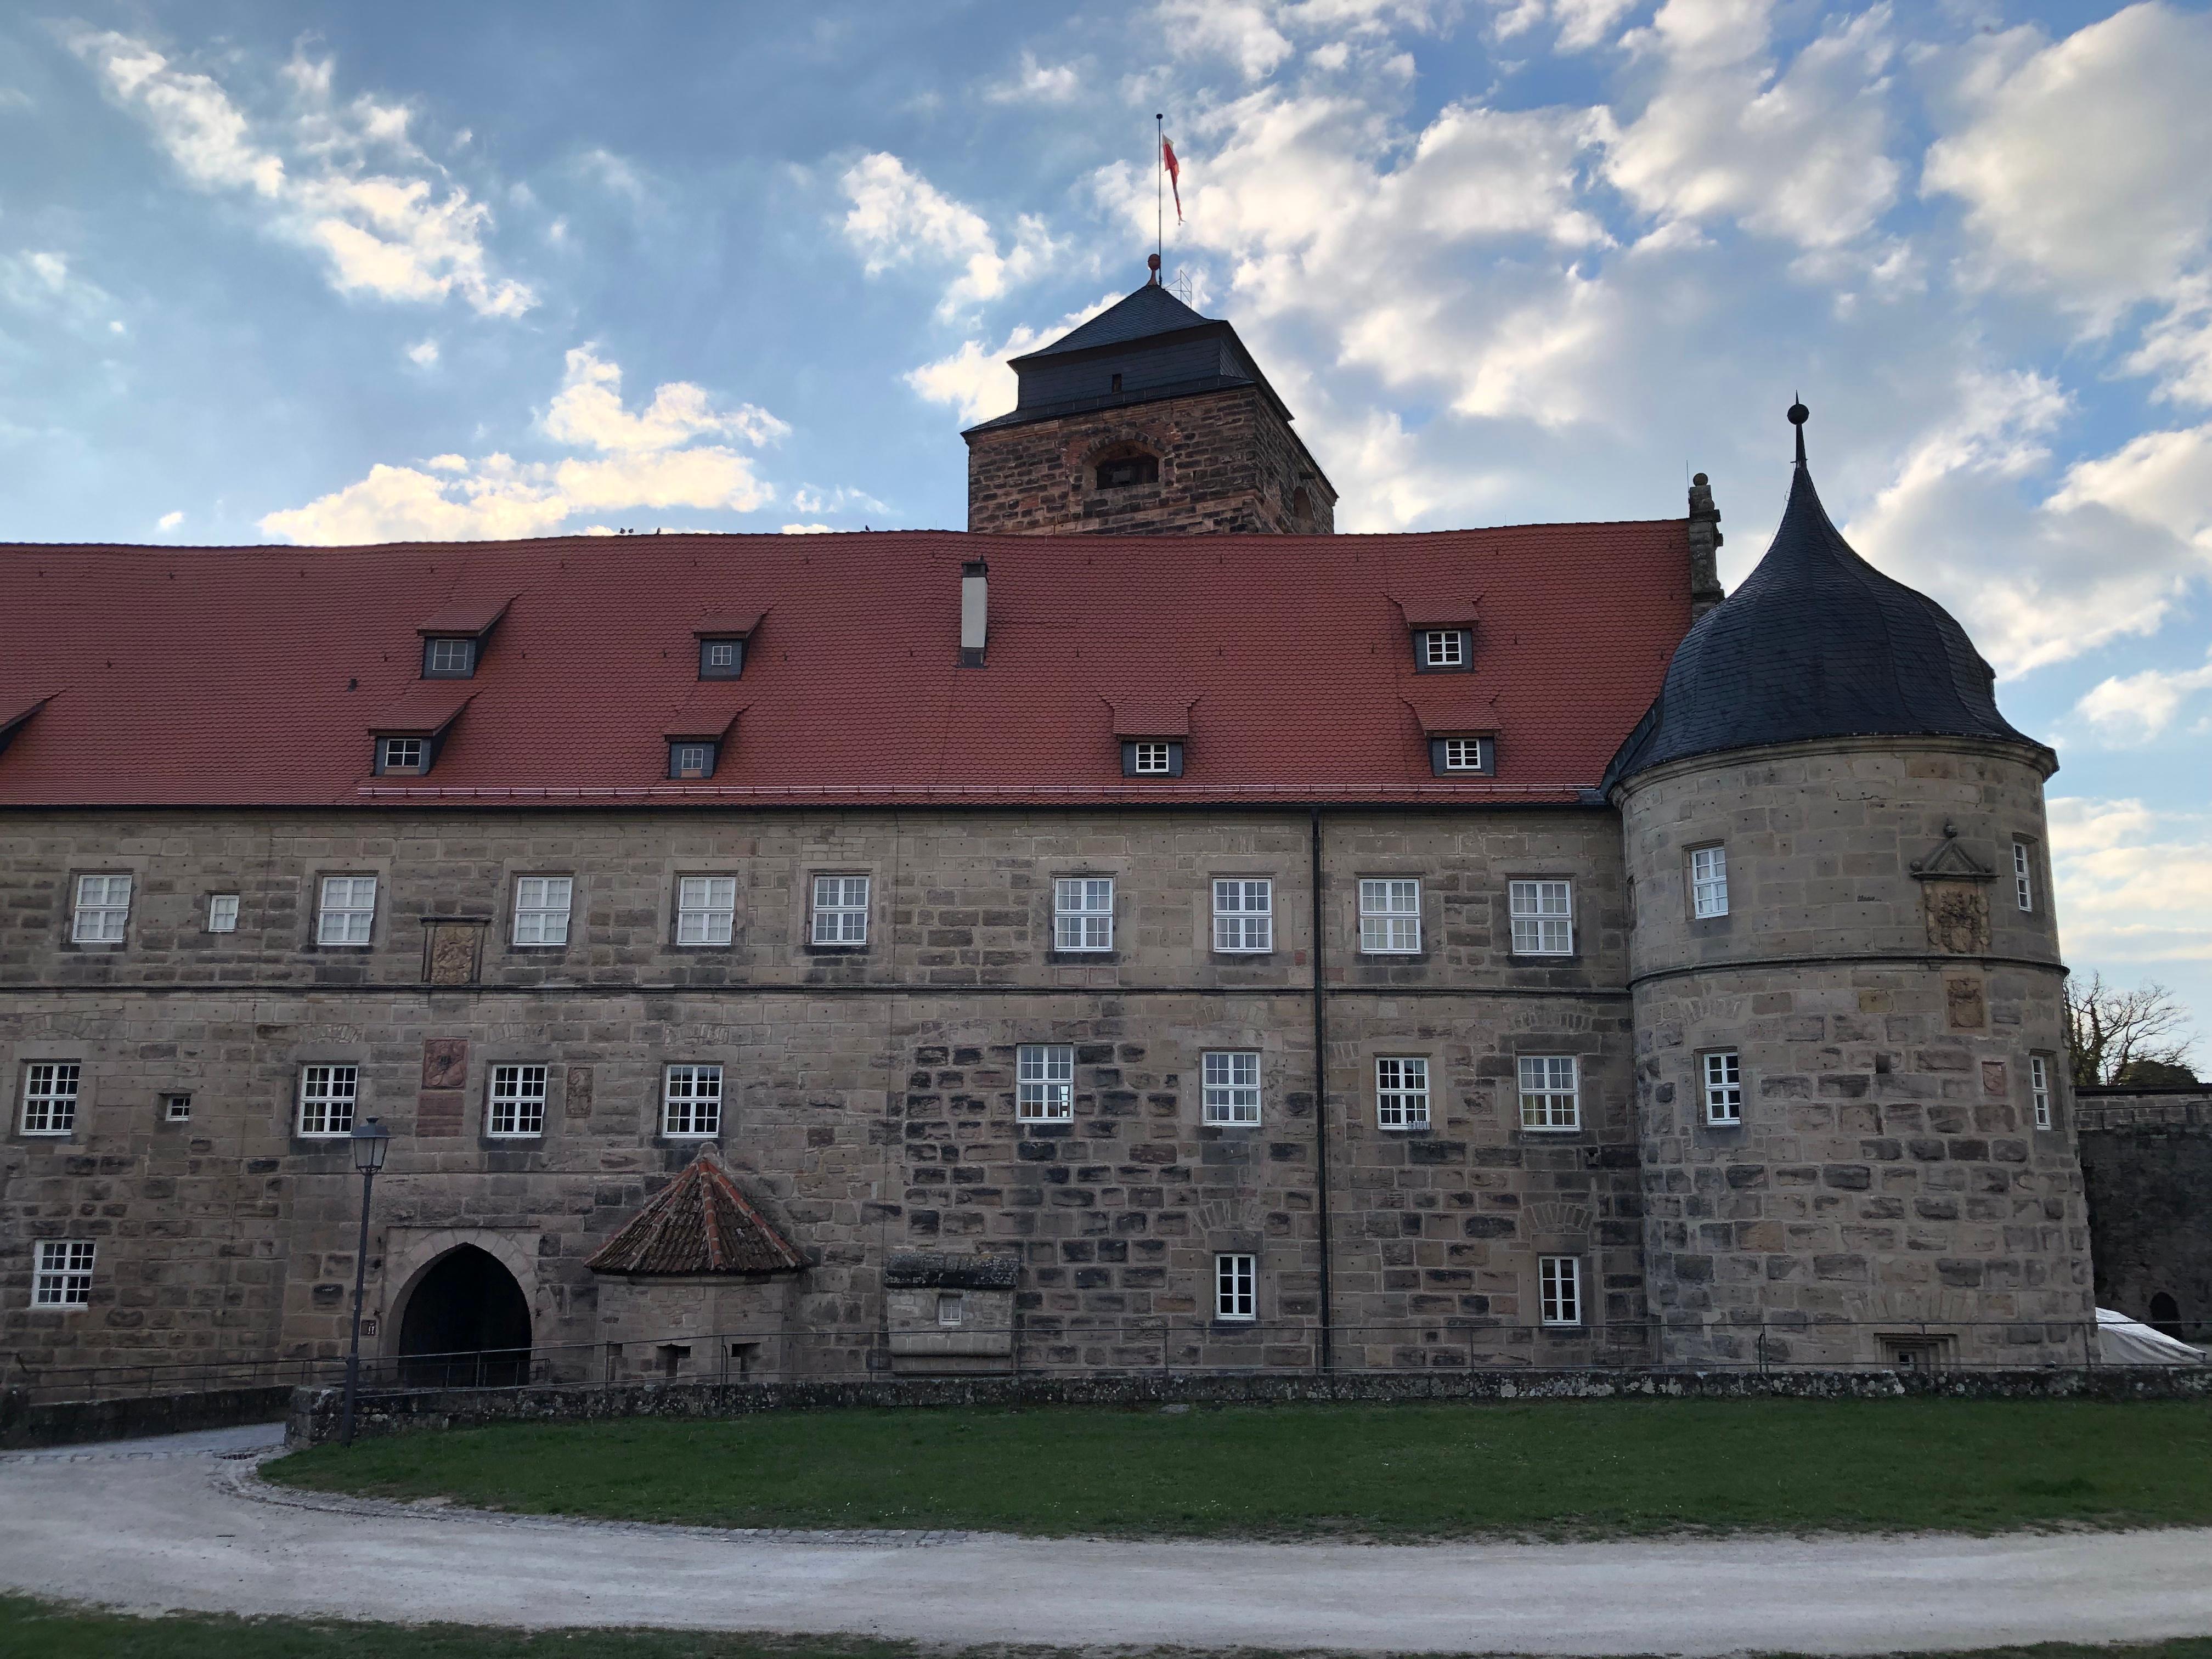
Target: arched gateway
467,1323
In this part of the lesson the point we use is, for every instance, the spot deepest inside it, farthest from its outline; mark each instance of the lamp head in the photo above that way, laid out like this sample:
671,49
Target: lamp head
371,1141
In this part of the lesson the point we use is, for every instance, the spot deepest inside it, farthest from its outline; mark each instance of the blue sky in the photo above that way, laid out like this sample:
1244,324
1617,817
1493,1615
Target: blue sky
328,273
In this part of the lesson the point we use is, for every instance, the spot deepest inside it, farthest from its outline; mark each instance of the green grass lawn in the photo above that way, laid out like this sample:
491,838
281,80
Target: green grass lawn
33,1629
1552,1469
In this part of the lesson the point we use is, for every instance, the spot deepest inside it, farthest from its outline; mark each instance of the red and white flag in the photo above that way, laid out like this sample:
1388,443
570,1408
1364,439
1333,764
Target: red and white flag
1175,175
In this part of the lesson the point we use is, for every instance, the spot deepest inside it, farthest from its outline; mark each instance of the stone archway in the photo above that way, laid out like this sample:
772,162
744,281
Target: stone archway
464,1323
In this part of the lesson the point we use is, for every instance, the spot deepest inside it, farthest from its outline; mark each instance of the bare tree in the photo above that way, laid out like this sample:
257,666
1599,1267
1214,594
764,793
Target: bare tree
2114,1035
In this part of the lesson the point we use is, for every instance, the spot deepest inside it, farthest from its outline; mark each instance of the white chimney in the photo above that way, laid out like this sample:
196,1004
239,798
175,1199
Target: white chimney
975,612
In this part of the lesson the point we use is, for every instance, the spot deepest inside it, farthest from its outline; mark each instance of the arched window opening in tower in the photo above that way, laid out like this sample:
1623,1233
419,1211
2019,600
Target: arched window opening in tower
1124,470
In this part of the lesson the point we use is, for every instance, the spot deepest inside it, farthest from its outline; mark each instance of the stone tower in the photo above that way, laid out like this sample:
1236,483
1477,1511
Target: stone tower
1851,1087
1148,419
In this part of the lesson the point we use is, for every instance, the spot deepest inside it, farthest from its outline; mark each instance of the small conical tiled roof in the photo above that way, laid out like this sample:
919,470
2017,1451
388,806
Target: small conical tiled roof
699,1223
1816,643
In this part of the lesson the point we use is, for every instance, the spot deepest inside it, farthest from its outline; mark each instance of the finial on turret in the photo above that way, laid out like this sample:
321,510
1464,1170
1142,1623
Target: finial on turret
1152,264
1798,415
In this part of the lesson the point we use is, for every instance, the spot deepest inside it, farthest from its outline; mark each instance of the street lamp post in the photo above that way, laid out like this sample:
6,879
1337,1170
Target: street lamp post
371,1140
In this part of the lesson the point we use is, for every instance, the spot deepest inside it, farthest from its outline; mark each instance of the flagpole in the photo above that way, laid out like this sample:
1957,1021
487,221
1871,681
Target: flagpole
1159,207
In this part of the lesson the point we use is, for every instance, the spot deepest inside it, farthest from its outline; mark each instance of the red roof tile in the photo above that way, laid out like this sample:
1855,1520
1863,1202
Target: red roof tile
423,709
699,1223
470,617
241,676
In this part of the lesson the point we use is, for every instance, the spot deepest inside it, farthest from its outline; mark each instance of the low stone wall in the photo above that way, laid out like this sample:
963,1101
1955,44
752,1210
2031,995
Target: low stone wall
315,1411
69,1422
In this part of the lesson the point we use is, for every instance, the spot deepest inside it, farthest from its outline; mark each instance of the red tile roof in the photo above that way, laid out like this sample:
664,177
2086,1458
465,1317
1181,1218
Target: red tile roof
699,1223
250,676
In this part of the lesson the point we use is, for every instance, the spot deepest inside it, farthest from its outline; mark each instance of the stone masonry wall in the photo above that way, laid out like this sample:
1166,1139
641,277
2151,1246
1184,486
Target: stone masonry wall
2146,1166
1886,1173
1227,462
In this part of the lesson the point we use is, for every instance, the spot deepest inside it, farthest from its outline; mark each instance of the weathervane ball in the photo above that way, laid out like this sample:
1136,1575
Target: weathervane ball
1799,414
1152,262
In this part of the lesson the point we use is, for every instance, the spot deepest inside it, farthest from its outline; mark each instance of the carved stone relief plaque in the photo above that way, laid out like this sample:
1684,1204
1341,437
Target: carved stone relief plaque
1958,916
451,950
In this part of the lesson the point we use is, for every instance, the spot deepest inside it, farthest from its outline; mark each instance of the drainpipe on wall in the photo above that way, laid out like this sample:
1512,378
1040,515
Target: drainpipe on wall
1321,1092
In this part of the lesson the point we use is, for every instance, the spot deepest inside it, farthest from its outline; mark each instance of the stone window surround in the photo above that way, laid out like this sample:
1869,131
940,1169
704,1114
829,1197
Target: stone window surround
661,1134
554,1071
360,1108
1050,900
70,1052
1518,1118
1421,903
511,886
66,935
1574,951
1579,1283
311,911
1689,883
1427,1092
1701,1111
1212,945
676,871
842,869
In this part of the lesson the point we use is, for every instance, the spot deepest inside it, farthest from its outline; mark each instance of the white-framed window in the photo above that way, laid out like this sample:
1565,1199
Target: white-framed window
841,909
176,1108
222,912
1083,914
517,1106
1709,881
1402,1091
103,910
1560,1289
1235,1287
1550,1095
1463,755
49,1089
449,659
347,913
1230,1086
1543,916
1389,917
691,1102
2023,877
1244,915
1724,1080
951,1308
691,760
2039,1089
1152,759
62,1276
541,908
706,909
327,1099
1044,1082
399,754
1443,647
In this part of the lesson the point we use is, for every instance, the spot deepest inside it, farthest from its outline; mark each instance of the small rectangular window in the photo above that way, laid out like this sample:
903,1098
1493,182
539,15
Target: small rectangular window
1152,758
1559,1287
222,912
1244,917
541,908
706,909
1543,916
951,1309
1723,1079
449,659
1236,1283
50,1088
1231,1087
327,1099
176,1108
722,660
347,914
1709,881
2039,1089
1460,754
517,1106
1044,1082
400,754
62,1277
1401,1092
1083,914
2023,877
841,910
1551,1096
1389,917
1443,647
103,910
691,760
691,1102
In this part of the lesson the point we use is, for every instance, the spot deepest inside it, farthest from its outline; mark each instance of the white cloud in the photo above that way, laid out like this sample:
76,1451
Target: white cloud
976,380
2132,708
2135,883
169,521
1581,24
1037,83
897,216
808,530
423,354
647,459
1242,31
40,281
405,233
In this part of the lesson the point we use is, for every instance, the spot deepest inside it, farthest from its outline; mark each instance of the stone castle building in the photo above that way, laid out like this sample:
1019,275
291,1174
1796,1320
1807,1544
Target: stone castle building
1145,927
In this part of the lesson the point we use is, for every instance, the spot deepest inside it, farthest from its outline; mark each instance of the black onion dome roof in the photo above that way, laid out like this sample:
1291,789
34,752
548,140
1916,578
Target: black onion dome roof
1816,643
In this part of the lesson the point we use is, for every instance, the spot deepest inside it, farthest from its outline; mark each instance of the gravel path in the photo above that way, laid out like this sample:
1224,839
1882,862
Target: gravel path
182,1522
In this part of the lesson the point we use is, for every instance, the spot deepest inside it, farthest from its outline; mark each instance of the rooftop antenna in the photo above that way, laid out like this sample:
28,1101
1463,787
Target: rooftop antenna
1798,415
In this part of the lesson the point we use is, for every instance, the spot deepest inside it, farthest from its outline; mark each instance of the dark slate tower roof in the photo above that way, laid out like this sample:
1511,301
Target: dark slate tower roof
1141,350
699,1223
1816,643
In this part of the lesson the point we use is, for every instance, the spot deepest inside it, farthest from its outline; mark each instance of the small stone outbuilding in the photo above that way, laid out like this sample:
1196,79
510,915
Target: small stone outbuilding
951,1314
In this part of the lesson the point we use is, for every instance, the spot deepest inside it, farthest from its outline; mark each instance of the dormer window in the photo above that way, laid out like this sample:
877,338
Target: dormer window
1150,757
692,759
449,659
1125,471
1455,757
1440,650
401,754
722,660
453,640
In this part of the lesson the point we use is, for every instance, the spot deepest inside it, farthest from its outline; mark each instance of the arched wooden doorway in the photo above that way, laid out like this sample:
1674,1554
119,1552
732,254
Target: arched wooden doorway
466,1325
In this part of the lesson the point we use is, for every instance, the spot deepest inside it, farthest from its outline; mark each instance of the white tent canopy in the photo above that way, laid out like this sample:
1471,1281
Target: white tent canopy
2124,1341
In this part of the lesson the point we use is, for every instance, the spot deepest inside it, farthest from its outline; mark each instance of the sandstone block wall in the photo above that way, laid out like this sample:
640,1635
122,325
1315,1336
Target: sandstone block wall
2146,1166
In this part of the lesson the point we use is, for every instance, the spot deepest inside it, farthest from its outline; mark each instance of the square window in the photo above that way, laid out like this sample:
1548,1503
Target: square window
1083,914
691,760
1151,758
691,1102
541,908
449,659
62,1277
951,1309
722,660
841,910
2023,877
401,754
222,912
1044,1082
517,1106
1543,916
1723,1079
706,909
49,1089
1244,917
1551,1096
2039,1089
348,911
103,910
1443,647
176,1108
1709,881
1401,1092
327,1099
1236,1279
1231,1088
1560,1289
1462,755
1389,917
